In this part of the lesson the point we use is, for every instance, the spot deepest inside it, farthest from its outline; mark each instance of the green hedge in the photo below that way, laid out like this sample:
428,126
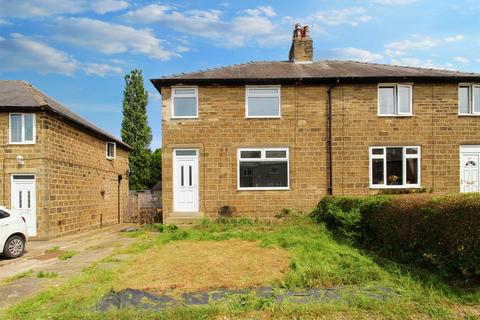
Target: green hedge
442,233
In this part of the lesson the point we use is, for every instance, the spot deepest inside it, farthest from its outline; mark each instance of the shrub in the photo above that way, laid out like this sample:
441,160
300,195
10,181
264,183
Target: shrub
441,233
346,214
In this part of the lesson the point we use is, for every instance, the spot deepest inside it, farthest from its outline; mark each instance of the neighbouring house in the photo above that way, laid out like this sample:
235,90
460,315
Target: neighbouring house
62,173
257,137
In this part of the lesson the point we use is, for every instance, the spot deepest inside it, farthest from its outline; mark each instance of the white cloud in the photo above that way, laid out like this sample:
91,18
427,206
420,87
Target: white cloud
355,54
101,69
418,43
24,53
352,16
19,52
455,38
105,6
109,38
398,48
266,10
182,49
3,22
394,2
419,63
462,60
46,8
250,25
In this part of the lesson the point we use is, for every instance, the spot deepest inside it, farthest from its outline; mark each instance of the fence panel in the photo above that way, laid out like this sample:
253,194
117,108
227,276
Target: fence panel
132,209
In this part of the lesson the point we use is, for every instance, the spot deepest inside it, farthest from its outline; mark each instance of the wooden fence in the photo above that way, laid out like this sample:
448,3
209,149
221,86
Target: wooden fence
142,207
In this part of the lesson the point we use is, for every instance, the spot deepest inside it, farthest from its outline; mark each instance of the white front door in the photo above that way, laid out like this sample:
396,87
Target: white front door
185,180
23,200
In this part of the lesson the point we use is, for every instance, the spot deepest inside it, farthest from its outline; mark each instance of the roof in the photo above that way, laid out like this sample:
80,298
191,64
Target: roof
326,71
22,96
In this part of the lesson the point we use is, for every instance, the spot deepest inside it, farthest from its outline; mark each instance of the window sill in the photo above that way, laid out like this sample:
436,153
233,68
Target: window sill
394,115
264,189
469,114
110,158
21,143
184,118
263,117
397,187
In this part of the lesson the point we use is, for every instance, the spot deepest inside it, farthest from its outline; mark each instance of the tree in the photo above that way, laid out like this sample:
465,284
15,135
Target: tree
156,167
135,130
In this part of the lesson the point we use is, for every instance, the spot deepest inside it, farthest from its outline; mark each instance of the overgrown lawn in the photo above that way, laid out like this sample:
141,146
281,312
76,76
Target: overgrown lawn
306,256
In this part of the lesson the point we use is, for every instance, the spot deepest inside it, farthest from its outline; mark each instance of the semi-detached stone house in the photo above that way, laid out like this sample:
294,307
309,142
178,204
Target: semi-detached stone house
59,171
262,136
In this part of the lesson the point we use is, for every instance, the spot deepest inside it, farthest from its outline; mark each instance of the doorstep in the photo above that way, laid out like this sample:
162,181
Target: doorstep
184,219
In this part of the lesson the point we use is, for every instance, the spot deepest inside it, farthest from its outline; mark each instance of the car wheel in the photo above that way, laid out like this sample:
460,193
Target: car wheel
14,247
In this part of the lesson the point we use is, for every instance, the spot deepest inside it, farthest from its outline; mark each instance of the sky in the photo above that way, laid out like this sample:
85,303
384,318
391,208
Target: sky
78,51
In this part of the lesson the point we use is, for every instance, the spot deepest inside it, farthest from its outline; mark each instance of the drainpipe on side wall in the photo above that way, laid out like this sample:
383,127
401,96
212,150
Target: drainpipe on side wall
118,197
329,139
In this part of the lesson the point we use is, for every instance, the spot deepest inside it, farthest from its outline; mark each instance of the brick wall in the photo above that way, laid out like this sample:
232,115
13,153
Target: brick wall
222,128
76,185
435,126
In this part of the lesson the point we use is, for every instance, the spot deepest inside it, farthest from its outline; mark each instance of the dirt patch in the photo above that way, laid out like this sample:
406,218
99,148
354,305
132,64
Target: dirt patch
48,256
466,311
202,265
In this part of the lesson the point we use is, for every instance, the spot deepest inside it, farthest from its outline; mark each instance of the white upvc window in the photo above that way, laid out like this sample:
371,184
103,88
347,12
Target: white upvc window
395,167
263,169
21,128
184,102
469,99
262,102
395,99
111,150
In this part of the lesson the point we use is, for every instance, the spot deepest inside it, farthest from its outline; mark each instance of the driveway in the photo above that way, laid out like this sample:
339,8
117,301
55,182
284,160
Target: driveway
21,278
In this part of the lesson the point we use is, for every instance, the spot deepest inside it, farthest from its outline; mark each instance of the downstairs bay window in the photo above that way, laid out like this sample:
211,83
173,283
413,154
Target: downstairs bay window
395,167
263,169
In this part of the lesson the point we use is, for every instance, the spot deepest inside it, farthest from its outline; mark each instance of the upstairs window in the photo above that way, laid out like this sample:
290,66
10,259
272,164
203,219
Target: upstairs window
185,102
22,128
394,100
395,167
263,169
263,102
111,150
469,99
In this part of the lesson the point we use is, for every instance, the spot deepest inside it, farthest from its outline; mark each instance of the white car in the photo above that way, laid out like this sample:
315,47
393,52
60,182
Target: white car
13,233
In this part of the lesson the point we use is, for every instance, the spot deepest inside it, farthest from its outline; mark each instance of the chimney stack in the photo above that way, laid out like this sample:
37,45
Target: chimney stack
301,50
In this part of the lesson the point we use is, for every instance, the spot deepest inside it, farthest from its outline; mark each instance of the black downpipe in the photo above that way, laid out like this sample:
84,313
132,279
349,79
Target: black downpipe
118,197
329,141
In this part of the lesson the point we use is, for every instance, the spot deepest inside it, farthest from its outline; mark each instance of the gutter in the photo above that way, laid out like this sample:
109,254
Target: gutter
330,138
166,82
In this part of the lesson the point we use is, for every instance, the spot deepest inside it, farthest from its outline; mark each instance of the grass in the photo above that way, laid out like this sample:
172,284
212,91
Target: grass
202,265
47,275
313,259
21,275
67,255
53,249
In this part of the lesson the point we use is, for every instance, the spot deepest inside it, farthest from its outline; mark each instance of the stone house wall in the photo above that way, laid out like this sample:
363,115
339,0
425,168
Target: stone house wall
222,128
76,186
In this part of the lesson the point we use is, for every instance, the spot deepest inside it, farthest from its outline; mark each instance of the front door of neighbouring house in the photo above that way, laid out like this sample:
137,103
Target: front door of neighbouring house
185,180
23,200
469,168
